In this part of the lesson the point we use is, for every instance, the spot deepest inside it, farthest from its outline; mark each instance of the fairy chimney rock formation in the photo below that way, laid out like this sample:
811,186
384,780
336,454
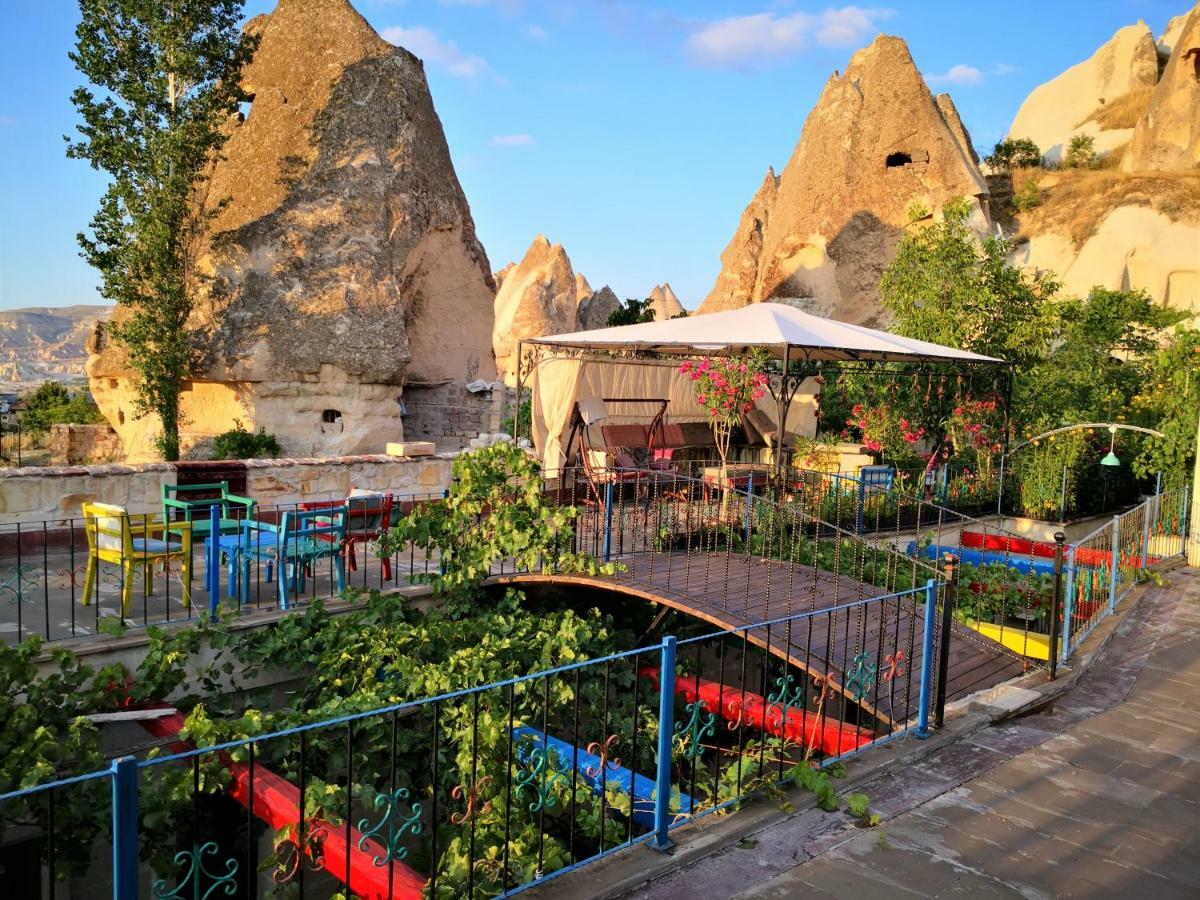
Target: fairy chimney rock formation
875,147
342,263
595,309
1064,106
537,298
739,262
664,303
1167,137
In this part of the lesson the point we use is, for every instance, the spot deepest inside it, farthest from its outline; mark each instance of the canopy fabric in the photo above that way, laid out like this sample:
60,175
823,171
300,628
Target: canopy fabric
771,326
558,383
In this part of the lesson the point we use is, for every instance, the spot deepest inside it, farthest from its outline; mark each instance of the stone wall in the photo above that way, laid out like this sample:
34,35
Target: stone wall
450,415
55,494
73,445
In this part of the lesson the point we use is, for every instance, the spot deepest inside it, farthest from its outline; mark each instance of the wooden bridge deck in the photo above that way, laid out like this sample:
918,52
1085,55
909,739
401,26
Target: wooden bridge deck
735,591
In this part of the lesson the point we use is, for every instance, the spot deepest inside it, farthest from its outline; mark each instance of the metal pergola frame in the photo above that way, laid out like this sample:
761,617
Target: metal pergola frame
792,366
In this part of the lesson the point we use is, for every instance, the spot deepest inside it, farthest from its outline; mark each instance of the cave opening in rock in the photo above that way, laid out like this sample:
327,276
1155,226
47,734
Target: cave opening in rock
898,159
331,416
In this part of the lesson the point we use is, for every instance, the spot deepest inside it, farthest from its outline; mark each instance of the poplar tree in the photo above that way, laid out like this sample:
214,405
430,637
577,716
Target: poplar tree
163,79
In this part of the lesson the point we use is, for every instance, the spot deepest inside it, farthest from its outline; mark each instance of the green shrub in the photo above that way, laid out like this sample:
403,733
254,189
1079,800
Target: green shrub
238,443
1081,153
1027,196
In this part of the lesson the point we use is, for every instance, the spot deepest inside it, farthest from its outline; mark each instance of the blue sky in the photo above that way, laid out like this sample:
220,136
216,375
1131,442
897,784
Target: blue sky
632,133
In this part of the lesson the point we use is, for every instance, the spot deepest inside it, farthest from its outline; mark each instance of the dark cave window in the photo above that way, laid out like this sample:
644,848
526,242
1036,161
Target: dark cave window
331,416
898,159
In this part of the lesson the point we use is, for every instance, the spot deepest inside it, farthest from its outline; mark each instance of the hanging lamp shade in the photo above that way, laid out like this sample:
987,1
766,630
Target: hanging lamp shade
1110,460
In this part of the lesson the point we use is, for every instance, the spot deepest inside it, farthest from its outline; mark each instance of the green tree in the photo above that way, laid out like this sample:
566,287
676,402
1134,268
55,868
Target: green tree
164,78
1169,401
948,287
51,404
1015,153
631,312
1103,353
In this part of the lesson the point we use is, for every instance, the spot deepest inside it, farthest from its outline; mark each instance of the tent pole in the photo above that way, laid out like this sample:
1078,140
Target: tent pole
781,421
517,410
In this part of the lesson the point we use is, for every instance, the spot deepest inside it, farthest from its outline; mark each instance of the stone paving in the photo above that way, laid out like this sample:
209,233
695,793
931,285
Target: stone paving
1097,797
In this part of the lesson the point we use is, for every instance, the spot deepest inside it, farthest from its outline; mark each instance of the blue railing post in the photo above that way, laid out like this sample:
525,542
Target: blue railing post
666,729
927,659
608,514
125,828
1115,573
1069,605
214,559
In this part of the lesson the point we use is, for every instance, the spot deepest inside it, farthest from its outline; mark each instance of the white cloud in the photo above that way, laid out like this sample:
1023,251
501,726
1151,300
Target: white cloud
1002,69
7,122
537,32
445,54
762,38
960,74
512,140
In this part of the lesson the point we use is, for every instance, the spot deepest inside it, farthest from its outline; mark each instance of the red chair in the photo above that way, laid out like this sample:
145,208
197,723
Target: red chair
369,516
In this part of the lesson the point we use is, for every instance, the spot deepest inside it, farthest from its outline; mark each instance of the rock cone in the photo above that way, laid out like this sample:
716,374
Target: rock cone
875,146
1167,137
343,264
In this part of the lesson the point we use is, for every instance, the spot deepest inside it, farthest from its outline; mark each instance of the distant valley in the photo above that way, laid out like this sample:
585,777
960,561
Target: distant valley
39,343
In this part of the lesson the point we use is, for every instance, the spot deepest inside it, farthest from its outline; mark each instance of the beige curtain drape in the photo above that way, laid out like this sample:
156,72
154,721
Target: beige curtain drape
555,384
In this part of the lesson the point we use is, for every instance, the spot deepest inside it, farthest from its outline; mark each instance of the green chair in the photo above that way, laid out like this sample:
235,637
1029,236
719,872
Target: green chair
191,503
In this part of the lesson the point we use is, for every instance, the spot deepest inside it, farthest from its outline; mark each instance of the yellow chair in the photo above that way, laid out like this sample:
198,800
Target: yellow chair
113,537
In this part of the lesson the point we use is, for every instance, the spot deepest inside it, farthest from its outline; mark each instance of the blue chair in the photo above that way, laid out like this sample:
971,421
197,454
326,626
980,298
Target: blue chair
301,539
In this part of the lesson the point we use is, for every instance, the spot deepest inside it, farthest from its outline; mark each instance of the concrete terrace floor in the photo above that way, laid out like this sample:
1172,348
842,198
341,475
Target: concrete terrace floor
1098,796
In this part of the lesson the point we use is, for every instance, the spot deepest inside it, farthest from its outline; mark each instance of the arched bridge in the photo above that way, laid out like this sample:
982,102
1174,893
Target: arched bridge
771,573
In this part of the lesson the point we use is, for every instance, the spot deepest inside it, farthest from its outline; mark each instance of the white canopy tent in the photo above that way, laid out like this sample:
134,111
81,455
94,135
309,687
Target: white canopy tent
562,372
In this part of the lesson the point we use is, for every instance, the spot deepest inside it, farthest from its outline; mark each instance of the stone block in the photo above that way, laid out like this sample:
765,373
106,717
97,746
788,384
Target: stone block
411,448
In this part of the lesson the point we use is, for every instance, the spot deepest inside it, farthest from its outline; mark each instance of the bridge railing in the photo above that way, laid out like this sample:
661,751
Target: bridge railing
484,791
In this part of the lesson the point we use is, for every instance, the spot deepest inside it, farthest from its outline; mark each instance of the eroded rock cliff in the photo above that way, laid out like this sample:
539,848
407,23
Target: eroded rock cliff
342,263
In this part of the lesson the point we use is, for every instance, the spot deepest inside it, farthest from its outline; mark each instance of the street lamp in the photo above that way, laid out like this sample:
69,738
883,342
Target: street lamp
1111,459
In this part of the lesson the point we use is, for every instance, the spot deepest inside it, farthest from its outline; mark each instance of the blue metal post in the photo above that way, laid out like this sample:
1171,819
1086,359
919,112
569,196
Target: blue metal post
927,659
749,500
125,823
608,514
1115,573
214,559
1069,606
666,729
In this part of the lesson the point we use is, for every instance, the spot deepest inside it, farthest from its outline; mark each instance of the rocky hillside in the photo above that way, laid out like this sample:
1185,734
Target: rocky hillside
877,146
1134,221
345,266
40,343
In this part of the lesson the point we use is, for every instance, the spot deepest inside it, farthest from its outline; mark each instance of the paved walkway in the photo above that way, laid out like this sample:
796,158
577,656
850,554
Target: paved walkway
1099,797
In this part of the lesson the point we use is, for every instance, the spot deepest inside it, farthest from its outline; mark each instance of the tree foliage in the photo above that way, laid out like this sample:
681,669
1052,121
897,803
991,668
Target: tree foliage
948,287
51,404
1014,153
631,312
163,79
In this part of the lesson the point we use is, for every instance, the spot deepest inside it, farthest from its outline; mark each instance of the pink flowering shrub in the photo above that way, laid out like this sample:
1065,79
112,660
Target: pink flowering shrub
727,387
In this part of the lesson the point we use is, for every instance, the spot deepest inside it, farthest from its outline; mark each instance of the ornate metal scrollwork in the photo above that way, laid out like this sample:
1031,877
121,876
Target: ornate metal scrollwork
698,726
470,796
539,778
861,677
393,824
604,751
787,696
196,881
